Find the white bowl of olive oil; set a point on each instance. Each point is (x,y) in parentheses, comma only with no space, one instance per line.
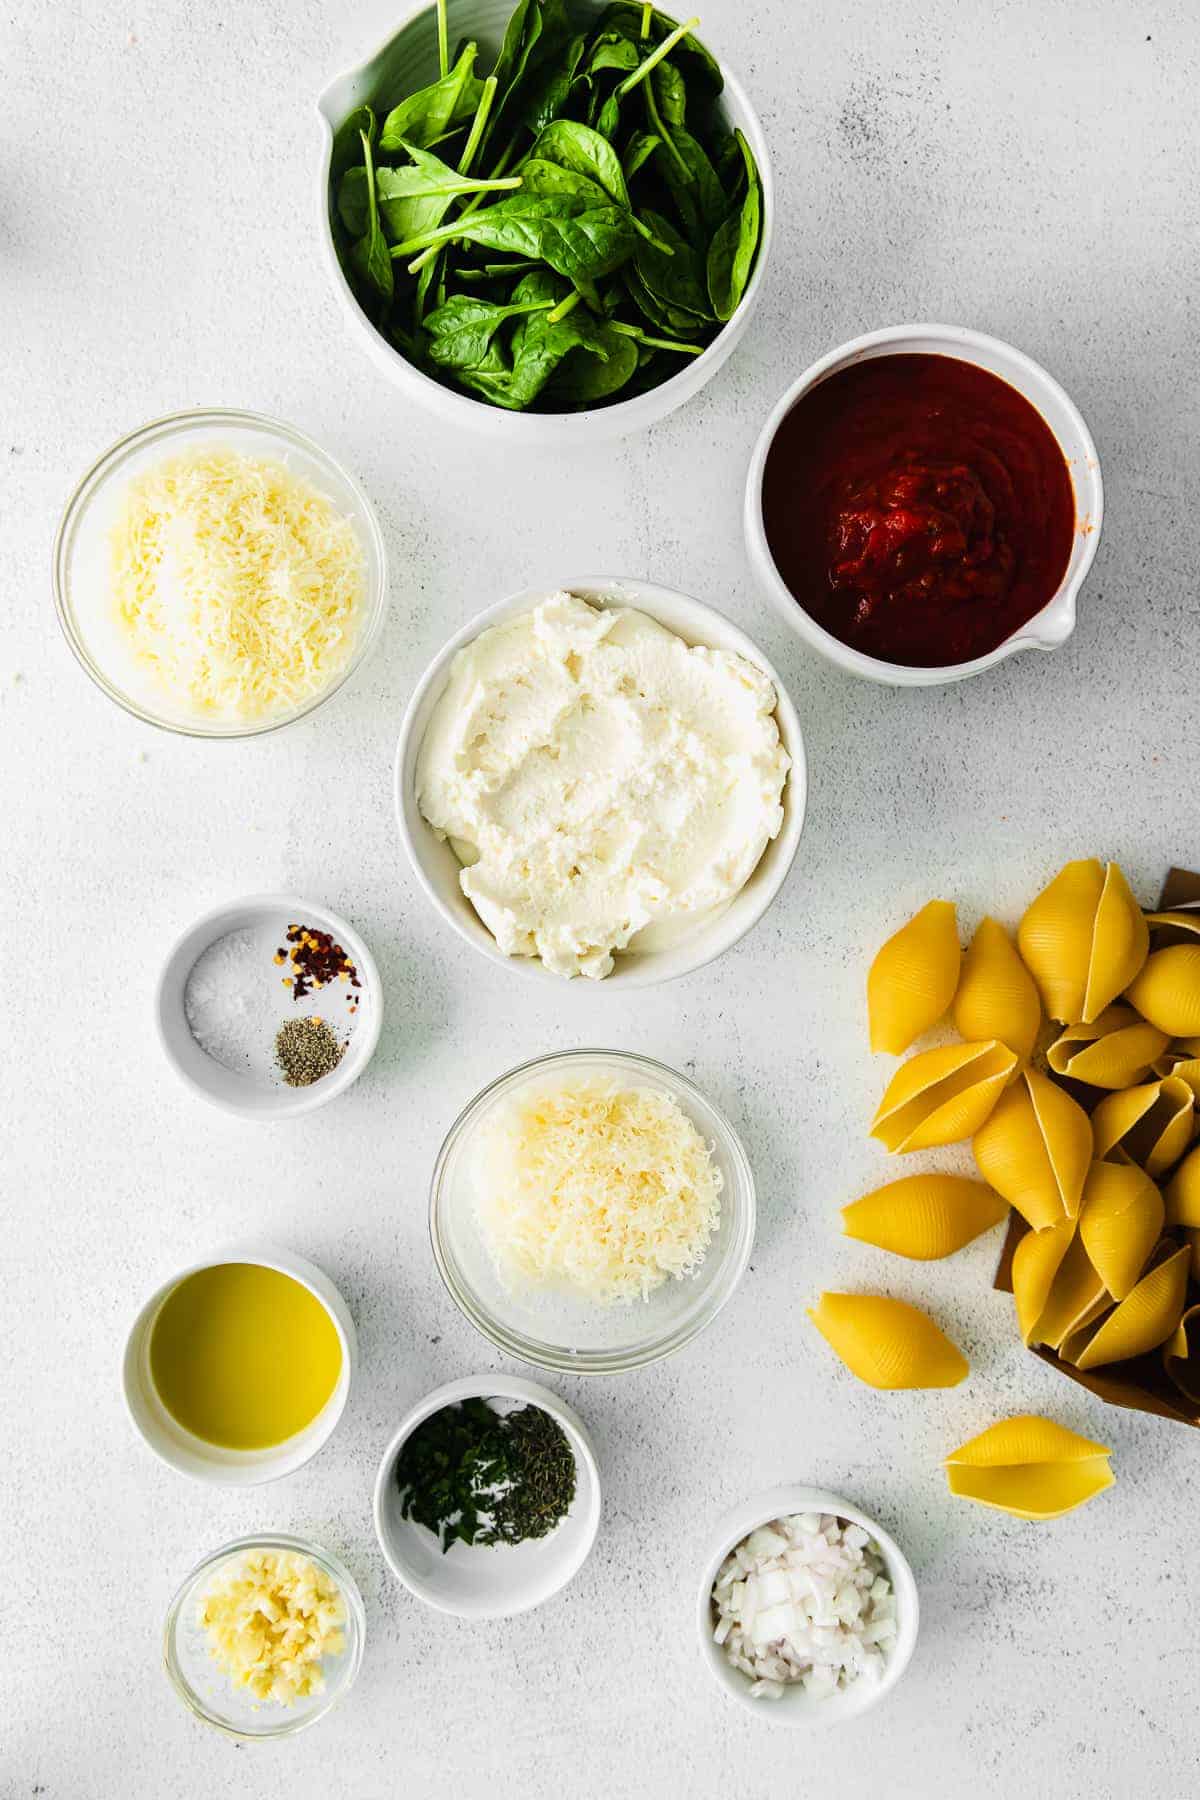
(237,1370)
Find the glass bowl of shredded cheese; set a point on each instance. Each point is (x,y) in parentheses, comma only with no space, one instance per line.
(264,1636)
(218,574)
(592,1211)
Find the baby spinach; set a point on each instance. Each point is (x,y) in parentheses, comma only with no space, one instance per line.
(461,331)
(432,112)
(370,254)
(608,231)
(732,251)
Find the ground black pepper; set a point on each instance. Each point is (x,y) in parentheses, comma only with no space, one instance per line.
(306,1049)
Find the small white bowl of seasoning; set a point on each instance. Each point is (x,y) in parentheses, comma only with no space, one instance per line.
(804,1541)
(237,1369)
(269,1007)
(488,1580)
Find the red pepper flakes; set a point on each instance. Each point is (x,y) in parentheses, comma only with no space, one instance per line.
(317,959)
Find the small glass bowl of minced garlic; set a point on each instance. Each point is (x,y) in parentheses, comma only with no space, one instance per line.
(264,1636)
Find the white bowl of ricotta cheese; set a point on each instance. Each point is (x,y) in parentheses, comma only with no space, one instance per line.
(606,780)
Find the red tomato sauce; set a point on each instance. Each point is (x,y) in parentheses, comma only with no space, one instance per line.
(919,508)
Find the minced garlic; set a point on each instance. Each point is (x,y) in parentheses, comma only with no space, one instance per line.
(270,1616)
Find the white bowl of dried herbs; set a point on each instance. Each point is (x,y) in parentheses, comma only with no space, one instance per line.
(487,1500)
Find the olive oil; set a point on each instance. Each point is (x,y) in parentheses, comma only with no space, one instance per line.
(243,1356)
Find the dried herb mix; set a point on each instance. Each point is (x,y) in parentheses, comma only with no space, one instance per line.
(473,1475)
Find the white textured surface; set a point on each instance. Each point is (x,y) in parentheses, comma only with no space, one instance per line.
(1028,169)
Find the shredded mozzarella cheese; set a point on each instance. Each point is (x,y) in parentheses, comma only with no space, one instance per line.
(236,584)
(595,1188)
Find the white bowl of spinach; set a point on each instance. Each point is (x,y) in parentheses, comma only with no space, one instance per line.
(546,222)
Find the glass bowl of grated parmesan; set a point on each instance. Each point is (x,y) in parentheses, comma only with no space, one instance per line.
(218,574)
(592,1211)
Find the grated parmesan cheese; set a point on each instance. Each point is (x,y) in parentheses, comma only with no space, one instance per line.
(236,585)
(604,1190)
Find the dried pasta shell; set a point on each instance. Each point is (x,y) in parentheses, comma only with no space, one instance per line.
(1153,1124)
(1183,1193)
(924,1216)
(1181,1356)
(1114,1051)
(1184,1068)
(1077,1298)
(1036,1149)
(1167,992)
(1120,1221)
(1036,1261)
(887,1343)
(912,979)
(942,1095)
(1145,1319)
(1030,1467)
(1083,940)
(1181,920)
(997,996)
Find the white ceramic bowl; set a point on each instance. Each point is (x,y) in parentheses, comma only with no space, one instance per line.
(80,569)
(208,1693)
(559,1331)
(488,1581)
(210,1462)
(243,1094)
(1056,621)
(796,1707)
(408,59)
(438,869)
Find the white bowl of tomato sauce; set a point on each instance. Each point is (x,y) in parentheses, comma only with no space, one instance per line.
(924,502)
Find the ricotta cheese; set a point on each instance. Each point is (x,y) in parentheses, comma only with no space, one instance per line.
(605,785)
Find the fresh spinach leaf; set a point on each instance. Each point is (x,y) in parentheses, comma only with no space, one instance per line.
(580,242)
(402,191)
(347,142)
(432,112)
(370,255)
(661,315)
(538,176)
(547,92)
(670,92)
(735,244)
(639,150)
(537,31)
(697,63)
(461,331)
(692,181)
(595,370)
(677,279)
(578,147)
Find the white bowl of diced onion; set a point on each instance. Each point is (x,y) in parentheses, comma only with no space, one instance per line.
(831,1579)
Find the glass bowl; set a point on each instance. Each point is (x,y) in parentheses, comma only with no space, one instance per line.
(80,558)
(207,1693)
(554,1330)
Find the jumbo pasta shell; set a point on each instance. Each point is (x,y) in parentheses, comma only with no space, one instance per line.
(942,1095)
(1077,1298)
(1145,1319)
(924,1216)
(1036,1149)
(1167,992)
(1036,1262)
(1083,940)
(1183,1193)
(1120,1221)
(912,979)
(887,1343)
(1184,1068)
(1152,1124)
(1181,1355)
(1179,919)
(1029,1467)
(997,996)
(1114,1051)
